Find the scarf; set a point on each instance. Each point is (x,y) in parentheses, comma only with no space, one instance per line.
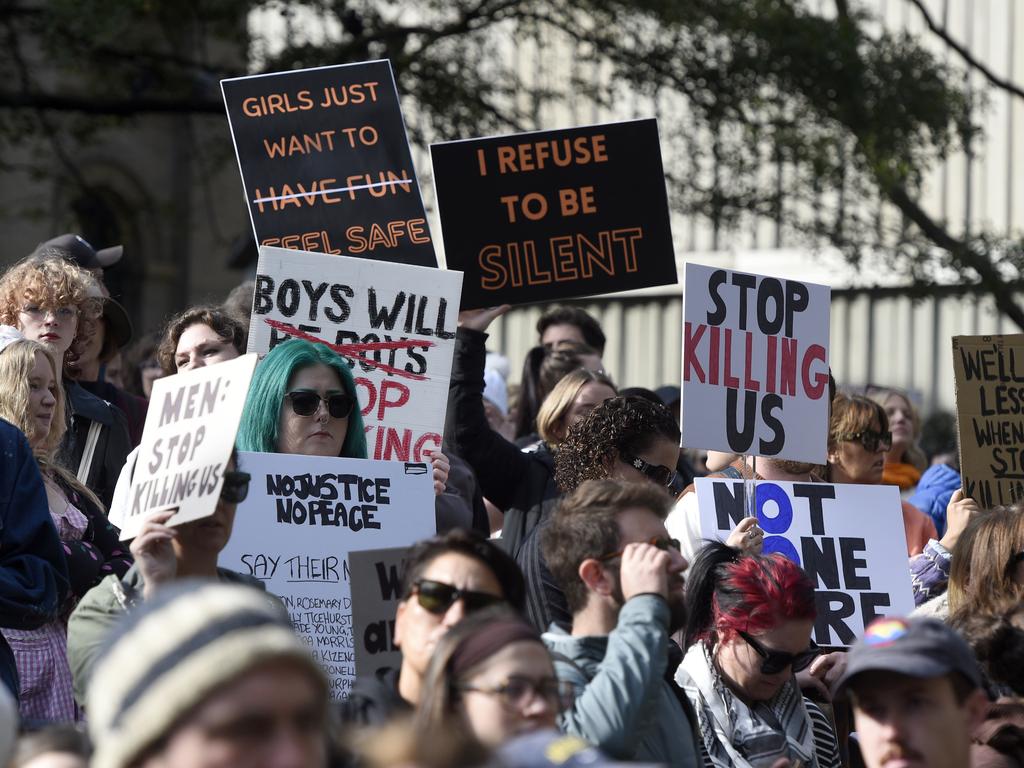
(906,476)
(734,734)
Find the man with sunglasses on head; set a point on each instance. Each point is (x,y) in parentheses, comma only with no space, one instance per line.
(445,578)
(607,546)
(163,555)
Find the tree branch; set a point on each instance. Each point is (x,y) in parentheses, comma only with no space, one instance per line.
(966,55)
(53,102)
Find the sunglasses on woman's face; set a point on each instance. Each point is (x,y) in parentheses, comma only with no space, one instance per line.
(656,473)
(776,661)
(871,440)
(236,486)
(305,403)
(436,597)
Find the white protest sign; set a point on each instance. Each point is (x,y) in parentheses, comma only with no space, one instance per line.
(394,323)
(302,517)
(849,539)
(755,364)
(189,434)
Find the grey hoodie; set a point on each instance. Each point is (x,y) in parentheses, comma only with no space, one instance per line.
(624,705)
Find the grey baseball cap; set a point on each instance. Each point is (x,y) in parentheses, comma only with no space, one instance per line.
(912,647)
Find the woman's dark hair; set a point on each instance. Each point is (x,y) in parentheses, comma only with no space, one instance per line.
(473,545)
(619,425)
(542,370)
(135,358)
(224,325)
(997,640)
(728,592)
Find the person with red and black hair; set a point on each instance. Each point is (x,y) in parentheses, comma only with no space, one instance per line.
(748,634)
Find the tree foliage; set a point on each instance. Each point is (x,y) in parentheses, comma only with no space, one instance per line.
(810,114)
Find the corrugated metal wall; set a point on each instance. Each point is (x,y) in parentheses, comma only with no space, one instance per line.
(877,337)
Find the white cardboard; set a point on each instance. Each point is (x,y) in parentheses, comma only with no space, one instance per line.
(190,431)
(415,389)
(795,425)
(306,564)
(862,524)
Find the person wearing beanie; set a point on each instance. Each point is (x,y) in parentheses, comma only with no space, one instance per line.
(203,675)
(917,694)
(163,555)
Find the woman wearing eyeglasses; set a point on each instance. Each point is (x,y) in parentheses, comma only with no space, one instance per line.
(51,301)
(748,634)
(858,440)
(302,400)
(31,398)
(162,555)
(491,675)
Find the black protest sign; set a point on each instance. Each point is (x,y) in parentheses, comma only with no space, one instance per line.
(553,214)
(325,162)
(989,376)
(376,592)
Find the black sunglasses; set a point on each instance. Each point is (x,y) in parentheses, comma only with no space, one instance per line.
(776,661)
(437,597)
(235,487)
(661,542)
(657,473)
(305,403)
(871,440)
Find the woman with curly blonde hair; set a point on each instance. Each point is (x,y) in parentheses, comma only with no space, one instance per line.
(56,303)
(31,398)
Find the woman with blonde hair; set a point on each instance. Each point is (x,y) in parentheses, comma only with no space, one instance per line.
(987,565)
(572,398)
(53,301)
(904,461)
(31,398)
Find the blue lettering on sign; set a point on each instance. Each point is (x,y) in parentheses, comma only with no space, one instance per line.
(778,524)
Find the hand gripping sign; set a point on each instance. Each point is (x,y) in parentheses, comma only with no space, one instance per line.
(189,434)
(302,519)
(755,365)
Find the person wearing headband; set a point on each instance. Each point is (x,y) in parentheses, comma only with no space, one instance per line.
(492,675)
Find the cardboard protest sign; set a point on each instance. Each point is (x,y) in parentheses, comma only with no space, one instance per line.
(302,518)
(990,416)
(325,162)
(376,577)
(553,214)
(850,540)
(394,323)
(755,364)
(189,434)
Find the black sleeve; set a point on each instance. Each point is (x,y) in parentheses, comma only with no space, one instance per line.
(501,468)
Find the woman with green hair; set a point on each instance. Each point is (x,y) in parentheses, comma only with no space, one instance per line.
(302,400)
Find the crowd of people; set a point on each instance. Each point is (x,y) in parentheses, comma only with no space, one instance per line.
(568,611)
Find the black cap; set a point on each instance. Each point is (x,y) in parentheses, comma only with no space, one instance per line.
(551,749)
(911,647)
(82,253)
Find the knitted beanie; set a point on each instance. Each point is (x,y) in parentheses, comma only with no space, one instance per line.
(167,657)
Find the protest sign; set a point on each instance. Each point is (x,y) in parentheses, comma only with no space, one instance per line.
(394,323)
(325,162)
(849,539)
(553,214)
(755,364)
(376,577)
(302,518)
(990,417)
(189,434)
